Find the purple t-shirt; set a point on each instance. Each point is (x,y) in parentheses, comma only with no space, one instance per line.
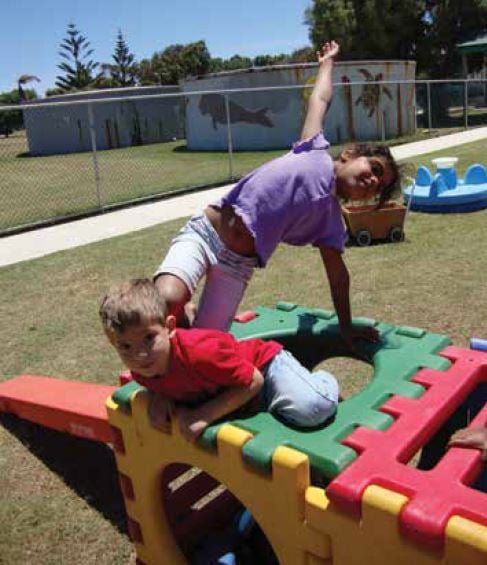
(291,199)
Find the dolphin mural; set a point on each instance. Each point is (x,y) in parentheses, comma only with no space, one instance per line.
(214,105)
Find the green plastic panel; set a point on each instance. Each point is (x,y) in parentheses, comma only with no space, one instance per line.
(123,394)
(313,338)
(312,335)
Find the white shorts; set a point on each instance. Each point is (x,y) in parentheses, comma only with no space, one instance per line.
(197,251)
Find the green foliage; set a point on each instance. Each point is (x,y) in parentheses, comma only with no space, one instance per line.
(174,63)
(423,30)
(389,29)
(167,67)
(78,68)
(12,120)
(263,60)
(269,60)
(332,19)
(384,29)
(124,68)
(146,73)
(195,58)
(216,65)
(303,55)
(237,62)
(54,91)
(452,21)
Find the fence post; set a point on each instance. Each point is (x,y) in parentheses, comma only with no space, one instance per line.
(91,122)
(229,138)
(428,98)
(465,96)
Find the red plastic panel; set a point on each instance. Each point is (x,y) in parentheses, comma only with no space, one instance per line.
(75,407)
(134,531)
(434,495)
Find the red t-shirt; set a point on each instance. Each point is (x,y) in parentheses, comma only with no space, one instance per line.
(203,361)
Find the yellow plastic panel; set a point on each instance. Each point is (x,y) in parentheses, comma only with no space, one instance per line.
(466,542)
(275,500)
(372,540)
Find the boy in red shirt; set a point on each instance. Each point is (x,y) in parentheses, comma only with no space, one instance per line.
(208,373)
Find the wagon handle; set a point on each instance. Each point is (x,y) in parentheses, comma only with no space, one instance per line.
(409,203)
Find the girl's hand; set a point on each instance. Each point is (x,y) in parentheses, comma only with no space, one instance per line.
(190,425)
(471,437)
(329,50)
(366,333)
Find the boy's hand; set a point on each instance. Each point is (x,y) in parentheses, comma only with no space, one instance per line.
(329,50)
(190,425)
(160,412)
(471,437)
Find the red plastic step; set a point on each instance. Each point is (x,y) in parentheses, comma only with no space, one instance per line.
(74,407)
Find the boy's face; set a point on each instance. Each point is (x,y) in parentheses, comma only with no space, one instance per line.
(361,178)
(145,348)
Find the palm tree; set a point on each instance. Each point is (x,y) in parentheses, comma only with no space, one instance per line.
(24,79)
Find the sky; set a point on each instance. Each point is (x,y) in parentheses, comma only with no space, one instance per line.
(33,30)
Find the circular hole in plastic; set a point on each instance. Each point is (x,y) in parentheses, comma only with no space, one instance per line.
(352,375)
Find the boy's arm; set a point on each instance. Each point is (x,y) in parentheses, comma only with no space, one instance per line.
(339,280)
(322,92)
(192,422)
(471,437)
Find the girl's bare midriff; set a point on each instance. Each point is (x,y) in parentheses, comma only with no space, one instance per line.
(231,229)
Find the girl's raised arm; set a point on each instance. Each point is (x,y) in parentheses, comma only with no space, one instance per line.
(322,92)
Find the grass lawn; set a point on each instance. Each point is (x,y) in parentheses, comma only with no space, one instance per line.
(58,499)
(40,188)
(34,189)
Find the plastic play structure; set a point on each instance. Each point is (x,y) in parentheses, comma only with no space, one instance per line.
(342,494)
(445,192)
(367,223)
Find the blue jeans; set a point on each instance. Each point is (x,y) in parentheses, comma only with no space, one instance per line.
(296,395)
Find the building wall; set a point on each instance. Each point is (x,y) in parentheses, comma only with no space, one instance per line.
(123,123)
(273,119)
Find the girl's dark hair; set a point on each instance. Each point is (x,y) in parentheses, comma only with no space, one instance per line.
(392,190)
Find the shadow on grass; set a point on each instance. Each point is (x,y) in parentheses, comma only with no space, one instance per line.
(86,466)
(185,149)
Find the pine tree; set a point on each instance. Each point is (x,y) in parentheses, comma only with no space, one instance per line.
(79,69)
(124,69)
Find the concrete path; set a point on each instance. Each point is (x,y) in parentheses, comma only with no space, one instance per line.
(37,243)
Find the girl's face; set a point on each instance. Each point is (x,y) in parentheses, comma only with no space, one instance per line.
(361,178)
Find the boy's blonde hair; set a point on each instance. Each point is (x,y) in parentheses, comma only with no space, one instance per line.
(132,303)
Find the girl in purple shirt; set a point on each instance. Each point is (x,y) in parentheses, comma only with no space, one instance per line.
(291,199)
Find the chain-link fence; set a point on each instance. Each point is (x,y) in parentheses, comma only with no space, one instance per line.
(84,155)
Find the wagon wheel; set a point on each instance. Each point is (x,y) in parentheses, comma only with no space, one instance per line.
(396,234)
(363,238)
